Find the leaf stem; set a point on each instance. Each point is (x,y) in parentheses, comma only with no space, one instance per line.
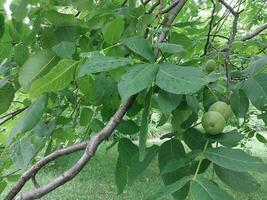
(201,159)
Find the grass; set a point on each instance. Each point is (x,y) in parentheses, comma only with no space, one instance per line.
(96,181)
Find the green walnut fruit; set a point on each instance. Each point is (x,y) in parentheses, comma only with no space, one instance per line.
(222,108)
(213,122)
(211,66)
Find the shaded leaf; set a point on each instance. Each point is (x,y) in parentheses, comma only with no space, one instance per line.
(7,94)
(169,151)
(239,103)
(144,125)
(235,159)
(203,188)
(128,127)
(256,90)
(239,181)
(169,189)
(167,101)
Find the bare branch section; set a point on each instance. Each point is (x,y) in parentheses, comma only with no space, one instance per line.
(169,8)
(11,115)
(227,61)
(90,147)
(210,28)
(254,33)
(169,22)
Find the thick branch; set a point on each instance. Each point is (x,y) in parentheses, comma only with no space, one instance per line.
(169,8)
(254,33)
(170,20)
(228,7)
(227,61)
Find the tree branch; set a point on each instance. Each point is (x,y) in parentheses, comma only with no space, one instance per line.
(12,115)
(227,61)
(145,2)
(169,8)
(254,33)
(170,20)
(210,28)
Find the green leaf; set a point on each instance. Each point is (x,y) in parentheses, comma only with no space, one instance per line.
(169,189)
(261,138)
(128,127)
(192,102)
(7,94)
(176,164)
(60,19)
(98,63)
(182,80)
(3,185)
(144,125)
(235,159)
(2,25)
(22,153)
(121,175)
(113,30)
(19,9)
(21,54)
(256,66)
(170,48)
(127,149)
(36,66)
(239,103)
(172,150)
(137,168)
(181,39)
(57,79)
(229,139)
(31,118)
(64,49)
(239,181)
(194,139)
(86,116)
(136,79)
(167,102)
(140,46)
(203,188)
(256,90)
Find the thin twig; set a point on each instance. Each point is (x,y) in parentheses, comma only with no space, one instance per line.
(255,32)
(210,28)
(11,115)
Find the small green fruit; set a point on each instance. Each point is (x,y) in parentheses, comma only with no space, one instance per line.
(211,66)
(213,122)
(222,108)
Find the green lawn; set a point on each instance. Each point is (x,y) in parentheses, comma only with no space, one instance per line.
(96,181)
